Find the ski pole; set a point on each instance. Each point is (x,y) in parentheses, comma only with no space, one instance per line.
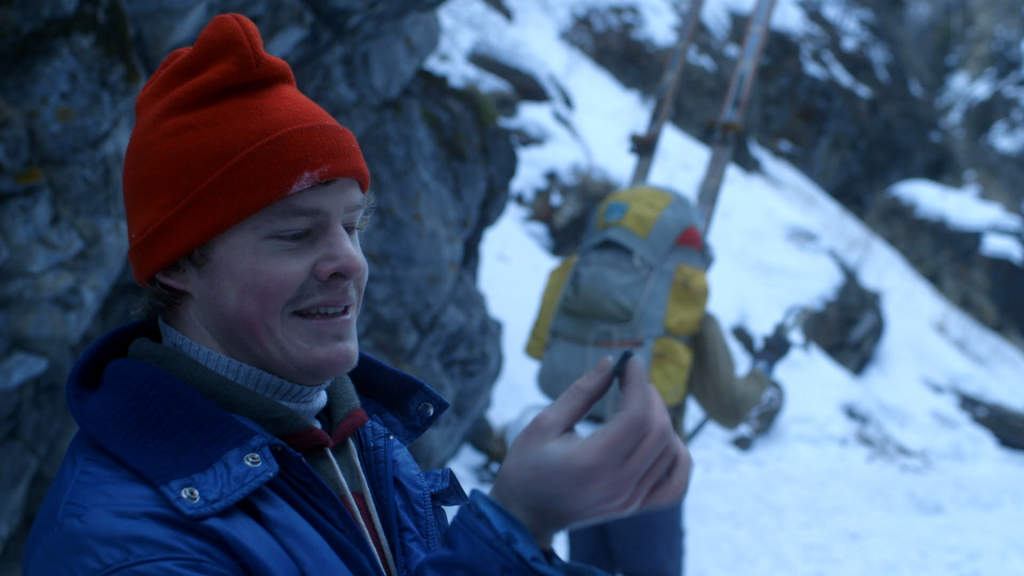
(645,145)
(730,119)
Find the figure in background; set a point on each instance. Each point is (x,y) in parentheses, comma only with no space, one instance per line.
(240,430)
(638,281)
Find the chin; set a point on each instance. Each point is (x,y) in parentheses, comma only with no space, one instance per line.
(343,360)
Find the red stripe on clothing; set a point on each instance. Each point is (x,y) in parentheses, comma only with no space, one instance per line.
(308,440)
(364,513)
(349,425)
(313,438)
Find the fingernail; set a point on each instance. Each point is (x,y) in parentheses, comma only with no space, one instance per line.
(604,364)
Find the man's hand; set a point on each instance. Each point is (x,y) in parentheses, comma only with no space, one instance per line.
(552,479)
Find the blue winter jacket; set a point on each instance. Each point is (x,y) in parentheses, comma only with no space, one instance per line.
(161,480)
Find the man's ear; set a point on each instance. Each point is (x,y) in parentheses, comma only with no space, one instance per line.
(175,276)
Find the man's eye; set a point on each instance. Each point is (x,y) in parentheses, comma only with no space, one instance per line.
(293,236)
(360,226)
(354,229)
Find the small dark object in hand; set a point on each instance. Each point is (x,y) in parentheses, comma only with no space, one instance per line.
(620,366)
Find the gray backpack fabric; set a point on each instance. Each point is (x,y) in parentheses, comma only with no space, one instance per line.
(637,282)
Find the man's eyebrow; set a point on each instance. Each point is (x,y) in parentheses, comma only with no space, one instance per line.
(285,212)
(294,212)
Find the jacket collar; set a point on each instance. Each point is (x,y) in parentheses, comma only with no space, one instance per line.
(171,434)
(401,403)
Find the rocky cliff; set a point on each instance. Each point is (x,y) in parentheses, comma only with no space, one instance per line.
(68,78)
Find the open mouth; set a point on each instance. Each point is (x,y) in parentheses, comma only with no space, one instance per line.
(323,312)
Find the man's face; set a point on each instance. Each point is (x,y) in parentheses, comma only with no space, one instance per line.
(282,289)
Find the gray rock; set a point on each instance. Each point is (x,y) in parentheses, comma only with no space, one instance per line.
(460,357)
(356,21)
(15,153)
(987,288)
(41,243)
(73,95)
(25,218)
(1006,424)
(422,312)
(161,27)
(20,17)
(14,483)
(20,367)
(850,325)
(388,63)
(525,84)
(60,243)
(345,74)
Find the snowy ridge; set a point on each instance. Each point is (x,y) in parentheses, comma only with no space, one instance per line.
(964,209)
(870,474)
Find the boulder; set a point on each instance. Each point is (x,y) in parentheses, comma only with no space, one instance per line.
(850,325)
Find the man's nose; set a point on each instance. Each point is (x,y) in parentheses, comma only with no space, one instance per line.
(341,257)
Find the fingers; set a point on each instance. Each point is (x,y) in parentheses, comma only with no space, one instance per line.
(641,417)
(660,470)
(672,486)
(575,402)
(652,451)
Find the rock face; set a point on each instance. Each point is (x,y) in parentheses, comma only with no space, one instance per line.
(440,170)
(861,95)
(987,288)
(65,115)
(1006,425)
(443,178)
(850,325)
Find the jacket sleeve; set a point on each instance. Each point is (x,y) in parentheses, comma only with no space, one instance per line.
(485,539)
(726,398)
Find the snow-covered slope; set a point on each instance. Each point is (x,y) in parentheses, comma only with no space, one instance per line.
(917,488)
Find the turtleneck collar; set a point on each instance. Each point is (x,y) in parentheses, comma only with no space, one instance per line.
(307,401)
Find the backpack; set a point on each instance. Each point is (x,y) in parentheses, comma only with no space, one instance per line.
(638,281)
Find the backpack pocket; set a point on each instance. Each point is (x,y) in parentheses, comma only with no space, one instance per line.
(671,362)
(687,299)
(607,283)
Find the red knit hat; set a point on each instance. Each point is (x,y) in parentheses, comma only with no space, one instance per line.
(222,132)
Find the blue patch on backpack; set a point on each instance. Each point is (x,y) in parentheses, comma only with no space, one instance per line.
(615,212)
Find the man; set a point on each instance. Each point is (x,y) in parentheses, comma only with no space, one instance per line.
(245,433)
(638,282)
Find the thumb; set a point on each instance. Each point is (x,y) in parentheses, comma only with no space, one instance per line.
(634,380)
(576,401)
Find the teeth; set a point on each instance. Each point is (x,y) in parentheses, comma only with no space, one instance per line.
(322,311)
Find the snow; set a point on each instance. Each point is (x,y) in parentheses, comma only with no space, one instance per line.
(960,208)
(1007,136)
(918,488)
(788,16)
(962,92)
(850,22)
(1005,246)
(843,76)
(696,57)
